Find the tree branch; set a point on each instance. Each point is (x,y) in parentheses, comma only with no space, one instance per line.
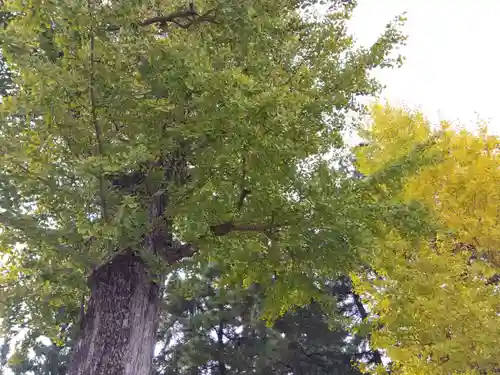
(180,251)
(493,280)
(229,226)
(184,14)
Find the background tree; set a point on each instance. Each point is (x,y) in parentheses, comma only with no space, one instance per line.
(161,127)
(437,300)
(218,331)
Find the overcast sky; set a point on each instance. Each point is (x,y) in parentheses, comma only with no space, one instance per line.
(451,70)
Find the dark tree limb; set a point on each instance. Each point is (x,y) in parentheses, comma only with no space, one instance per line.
(184,13)
(180,251)
(363,314)
(190,15)
(229,226)
(177,251)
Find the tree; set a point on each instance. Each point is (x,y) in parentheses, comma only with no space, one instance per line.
(44,358)
(173,136)
(218,331)
(437,300)
(206,327)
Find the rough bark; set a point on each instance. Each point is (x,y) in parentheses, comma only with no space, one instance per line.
(119,328)
(120,324)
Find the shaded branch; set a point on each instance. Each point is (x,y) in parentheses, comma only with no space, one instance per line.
(493,280)
(229,226)
(241,200)
(220,347)
(476,254)
(180,251)
(175,17)
(184,13)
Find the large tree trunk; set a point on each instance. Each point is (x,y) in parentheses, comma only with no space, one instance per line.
(121,321)
(119,328)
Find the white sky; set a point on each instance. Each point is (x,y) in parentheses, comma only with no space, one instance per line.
(451,70)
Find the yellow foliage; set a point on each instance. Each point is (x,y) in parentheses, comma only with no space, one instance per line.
(463,189)
(393,134)
(438,313)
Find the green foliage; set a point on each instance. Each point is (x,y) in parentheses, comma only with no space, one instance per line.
(39,358)
(253,99)
(6,84)
(198,311)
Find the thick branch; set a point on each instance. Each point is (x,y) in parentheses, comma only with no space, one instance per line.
(180,251)
(254,227)
(185,14)
(227,227)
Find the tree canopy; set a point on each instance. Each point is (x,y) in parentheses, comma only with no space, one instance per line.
(224,113)
(437,301)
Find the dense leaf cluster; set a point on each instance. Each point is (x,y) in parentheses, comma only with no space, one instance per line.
(116,107)
(437,300)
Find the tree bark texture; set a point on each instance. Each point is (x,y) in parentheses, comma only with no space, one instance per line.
(119,328)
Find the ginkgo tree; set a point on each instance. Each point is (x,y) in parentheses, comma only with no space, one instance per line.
(437,299)
(144,132)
